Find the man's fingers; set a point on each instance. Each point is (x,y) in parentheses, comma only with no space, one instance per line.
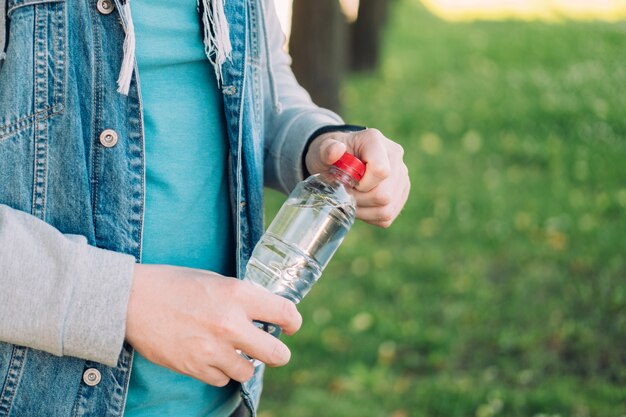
(212,376)
(236,366)
(331,150)
(263,346)
(324,151)
(384,193)
(262,305)
(379,208)
(370,148)
(379,216)
(379,196)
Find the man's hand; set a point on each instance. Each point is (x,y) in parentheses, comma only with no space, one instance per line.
(194,322)
(384,189)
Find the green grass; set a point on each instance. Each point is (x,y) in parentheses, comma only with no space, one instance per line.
(501,289)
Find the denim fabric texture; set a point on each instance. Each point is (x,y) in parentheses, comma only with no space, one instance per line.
(71,209)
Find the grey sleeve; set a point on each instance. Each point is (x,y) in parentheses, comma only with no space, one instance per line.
(59,294)
(287,130)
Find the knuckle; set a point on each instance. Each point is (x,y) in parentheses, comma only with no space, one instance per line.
(234,287)
(237,290)
(246,372)
(382,198)
(230,287)
(279,355)
(289,309)
(380,171)
(386,215)
(225,327)
(188,367)
(375,132)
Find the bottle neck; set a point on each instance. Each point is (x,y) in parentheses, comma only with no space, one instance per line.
(343,177)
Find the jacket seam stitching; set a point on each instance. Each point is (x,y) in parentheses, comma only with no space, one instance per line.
(41,94)
(56,105)
(30,3)
(16,364)
(14,128)
(96,119)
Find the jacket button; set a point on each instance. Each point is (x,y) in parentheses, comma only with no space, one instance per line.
(108,138)
(92,377)
(105,6)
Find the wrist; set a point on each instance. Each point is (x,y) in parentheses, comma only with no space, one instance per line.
(138,279)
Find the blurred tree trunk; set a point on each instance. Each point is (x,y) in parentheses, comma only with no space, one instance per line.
(366,34)
(318,47)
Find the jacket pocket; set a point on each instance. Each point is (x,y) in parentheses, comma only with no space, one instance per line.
(32,78)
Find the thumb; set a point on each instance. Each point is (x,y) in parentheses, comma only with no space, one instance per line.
(331,150)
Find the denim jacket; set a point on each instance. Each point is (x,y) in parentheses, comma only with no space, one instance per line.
(72,190)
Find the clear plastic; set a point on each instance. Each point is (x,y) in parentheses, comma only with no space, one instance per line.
(304,235)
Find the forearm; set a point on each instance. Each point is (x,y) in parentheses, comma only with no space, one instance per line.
(59,294)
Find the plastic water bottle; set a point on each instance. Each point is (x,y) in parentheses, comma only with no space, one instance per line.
(306,232)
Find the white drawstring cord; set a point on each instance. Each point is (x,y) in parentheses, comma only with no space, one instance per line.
(128,63)
(216,41)
(217,44)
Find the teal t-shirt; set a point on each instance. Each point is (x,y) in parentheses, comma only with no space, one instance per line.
(187,213)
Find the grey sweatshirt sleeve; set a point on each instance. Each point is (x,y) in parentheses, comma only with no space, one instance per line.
(59,294)
(287,130)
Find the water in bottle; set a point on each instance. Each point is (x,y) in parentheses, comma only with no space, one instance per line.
(306,232)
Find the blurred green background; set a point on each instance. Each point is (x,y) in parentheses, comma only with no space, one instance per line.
(501,289)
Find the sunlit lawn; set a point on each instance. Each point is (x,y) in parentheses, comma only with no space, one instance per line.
(501,290)
(551,10)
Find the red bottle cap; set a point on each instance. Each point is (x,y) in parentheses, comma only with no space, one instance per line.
(352,165)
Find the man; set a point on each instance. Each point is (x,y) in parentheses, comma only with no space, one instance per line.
(124,201)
